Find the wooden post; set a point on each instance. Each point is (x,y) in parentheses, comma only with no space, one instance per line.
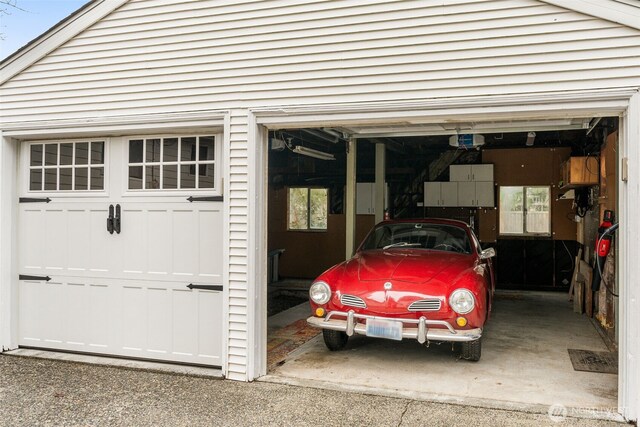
(350,198)
(380,187)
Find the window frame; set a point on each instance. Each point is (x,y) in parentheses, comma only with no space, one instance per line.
(525,233)
(25,166)
(218,163)
(308,229)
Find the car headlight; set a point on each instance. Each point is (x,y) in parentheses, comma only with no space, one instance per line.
(320,293)
(462,301)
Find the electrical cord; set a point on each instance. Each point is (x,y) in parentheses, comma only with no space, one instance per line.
(573,265)
(609,230)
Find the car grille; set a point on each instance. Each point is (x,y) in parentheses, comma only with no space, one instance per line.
(432,304)
(352,301)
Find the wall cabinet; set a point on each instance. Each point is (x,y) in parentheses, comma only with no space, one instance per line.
(440,194)
(476,194)
(580,171)
(467,173)
(366,198)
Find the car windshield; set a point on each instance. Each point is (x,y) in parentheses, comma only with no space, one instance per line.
(418,235)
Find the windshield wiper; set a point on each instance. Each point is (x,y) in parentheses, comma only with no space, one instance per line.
(401,244)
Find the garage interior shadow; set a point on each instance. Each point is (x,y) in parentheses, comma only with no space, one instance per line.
(525,359)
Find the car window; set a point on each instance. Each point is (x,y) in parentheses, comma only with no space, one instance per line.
(418,235)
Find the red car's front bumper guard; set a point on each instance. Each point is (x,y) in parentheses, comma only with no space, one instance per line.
(422,332)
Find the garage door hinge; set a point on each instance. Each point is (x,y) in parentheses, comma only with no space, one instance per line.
(38,278)
(34,200)
(192,199)
(206,287)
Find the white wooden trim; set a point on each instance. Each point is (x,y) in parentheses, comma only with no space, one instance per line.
(225,240)
(629,235)
(211,120)
(57,36)
(8,241)
(610,10)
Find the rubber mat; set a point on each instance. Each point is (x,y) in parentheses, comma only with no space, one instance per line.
(605,362)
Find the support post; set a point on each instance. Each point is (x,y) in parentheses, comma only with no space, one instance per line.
(380,187)
(350,198)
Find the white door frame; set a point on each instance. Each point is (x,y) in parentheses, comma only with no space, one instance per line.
(624,103)
(10,137)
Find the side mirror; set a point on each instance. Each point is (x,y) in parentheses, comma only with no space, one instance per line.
(488,253)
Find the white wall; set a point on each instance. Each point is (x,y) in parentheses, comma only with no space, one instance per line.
(161,56)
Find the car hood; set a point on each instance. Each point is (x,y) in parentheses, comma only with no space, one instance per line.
(407,265)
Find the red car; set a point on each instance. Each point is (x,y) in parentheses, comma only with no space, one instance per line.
(423,279)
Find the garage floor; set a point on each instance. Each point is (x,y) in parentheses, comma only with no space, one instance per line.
(524,361)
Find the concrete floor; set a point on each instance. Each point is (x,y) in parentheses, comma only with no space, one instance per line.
(524,362)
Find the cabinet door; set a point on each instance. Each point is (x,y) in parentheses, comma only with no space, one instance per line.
(466,193)
(364,198)
(449,194)
(482,172)
(459,173)
(432,194)
(485,194)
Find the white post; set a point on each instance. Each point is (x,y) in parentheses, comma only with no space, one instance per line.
(350,198)
(380,187)
(629,235)
(8,261)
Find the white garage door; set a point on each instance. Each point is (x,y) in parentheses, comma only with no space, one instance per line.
(120,248)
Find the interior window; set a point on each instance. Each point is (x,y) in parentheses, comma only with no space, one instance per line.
(525,210)
(67,166)
(172,163)
(308,208)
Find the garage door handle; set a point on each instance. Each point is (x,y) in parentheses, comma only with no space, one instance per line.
(110,223)
(117,221)
(206,287)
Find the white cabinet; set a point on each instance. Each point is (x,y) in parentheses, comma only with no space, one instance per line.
(466,173)
(440,194)
(366,198)
(475,194)
(485,194)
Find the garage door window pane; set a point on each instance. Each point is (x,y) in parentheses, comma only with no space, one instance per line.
(97,178)
(66,154)
(66,179)
(82,179)
(35,180)
(173,163)
(36,155)
(82,153)
(50,179)
(51,154)
(97,153)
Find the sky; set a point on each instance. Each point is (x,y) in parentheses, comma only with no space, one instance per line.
(21,26)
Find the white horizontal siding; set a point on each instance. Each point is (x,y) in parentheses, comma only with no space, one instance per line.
(159,56)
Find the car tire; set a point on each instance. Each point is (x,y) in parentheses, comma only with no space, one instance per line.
(334,340)
(471,350)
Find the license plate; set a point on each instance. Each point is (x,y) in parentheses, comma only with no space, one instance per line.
(389,329)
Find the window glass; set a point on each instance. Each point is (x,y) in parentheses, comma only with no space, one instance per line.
(66,154)
(97,153)
(35,180)
(51,179)
(419,235)
(97,178)
(36,155)
(51,154)
(82,153)
(298,208)
(318,204)
(66,179)
(538,215)
(81,179)
(172,163)
(511,210)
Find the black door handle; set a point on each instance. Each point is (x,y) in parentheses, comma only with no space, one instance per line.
(117,223)
(110,220)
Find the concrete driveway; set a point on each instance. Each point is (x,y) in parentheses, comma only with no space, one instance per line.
(44,392)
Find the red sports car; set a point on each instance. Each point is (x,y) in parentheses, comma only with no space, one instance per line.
(425,279)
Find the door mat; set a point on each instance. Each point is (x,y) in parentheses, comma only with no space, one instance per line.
(605,362)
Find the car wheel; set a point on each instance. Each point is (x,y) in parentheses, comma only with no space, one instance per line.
(334,340)
(471,350)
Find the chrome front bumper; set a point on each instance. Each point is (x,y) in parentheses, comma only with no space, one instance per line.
(423,332)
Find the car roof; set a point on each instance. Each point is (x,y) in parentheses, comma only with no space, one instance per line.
(453,222)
